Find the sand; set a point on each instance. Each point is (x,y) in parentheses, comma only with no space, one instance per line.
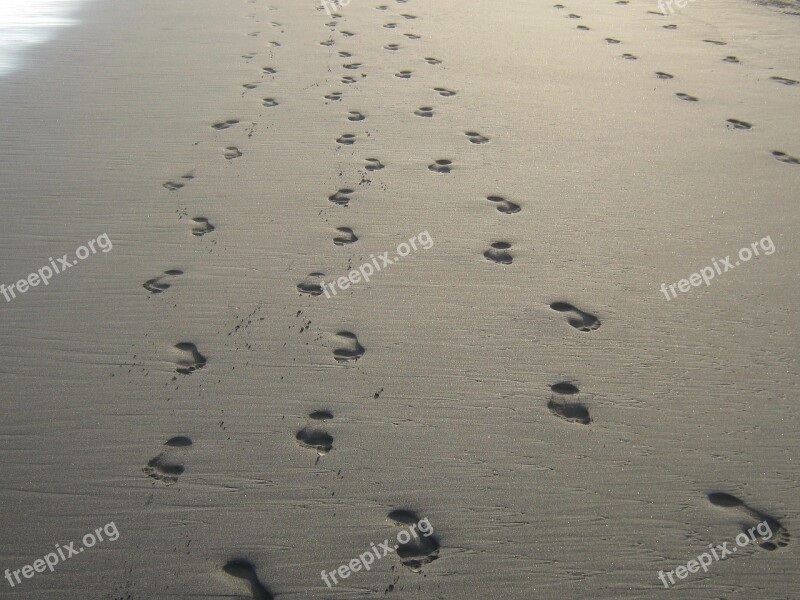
(177,384)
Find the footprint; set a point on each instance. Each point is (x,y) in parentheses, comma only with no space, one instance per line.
(201,226)
(424,111)
(573,16)
(347,33)
(569,410)
(504,206)
(244,570)
(373,164)
(163,469)
(232,152)
(731,59)
(354,115)
(275,44)
(420,550)
(250,56)
(737,124)
(580,320)
(334,96)
(444,92)
(225,124)
(312,284)
(348,80)
(716,42)
(351,349)
(662,75)
(408,16)
(498,253)
(174,186)
(780,537)
(783,157)
(784,80)
(392,47)
(352,66)
(671,26)
(403,74)
(315,439)
(686,97)
(269,102)
(341,197)
(583,28)
(612,41)
(156,286)
(432,61)
(344,54)
(250,86)
(327,43)
(269,70)
(558,6)
(382,7)
(346,236)
(321,415)
(441,166)
(412,36)
(390,25)
(627,56)
(475,137)
(188,358)
(347,139)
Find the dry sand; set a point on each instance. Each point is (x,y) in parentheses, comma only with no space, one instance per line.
(621,186)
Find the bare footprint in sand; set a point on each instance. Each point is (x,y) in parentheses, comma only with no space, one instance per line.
(686,97)
(392,47)
(355,115)
(504,206)
(245,571)
(779,537)
(441,166)
(315,439)
(444,92)
(188,358)
(174,186)
(201,226)
(225,124)
(785,158)
(350,348)
(334,96)
(403,74)
(498,252)
(348,139)
(373,164)
(345,236)
(341,196)
(737,124)
(784,80)
(158,285)
(269,102)
(424,111)
(432,61)
(161,467)
(563,405)
(312,284)
(476,138)
(662,75)
(627,56)
(582,321)
(232,152)
(419,550)
(731,59)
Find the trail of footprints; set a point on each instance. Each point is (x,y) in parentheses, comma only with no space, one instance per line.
(563,403)
(732,124)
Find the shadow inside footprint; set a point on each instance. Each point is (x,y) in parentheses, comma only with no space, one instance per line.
(312,285)
(574,412)
(737,124)
(784,80)
(346,236)
(580,320)
(161,468)
(686,97)
(315,439)
(244,570)
(341,197)
(232,152)
(418,551)
(225,124)
(201,226)
(373,164)
(504,206)
(189,358)
(424,111)
(441,166)
(498,253)
(774,537)
(157,285)
(351,350)
(785,158)
(475,137)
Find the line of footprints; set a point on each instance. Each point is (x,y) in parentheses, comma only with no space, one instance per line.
(167,466)
(734,124)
